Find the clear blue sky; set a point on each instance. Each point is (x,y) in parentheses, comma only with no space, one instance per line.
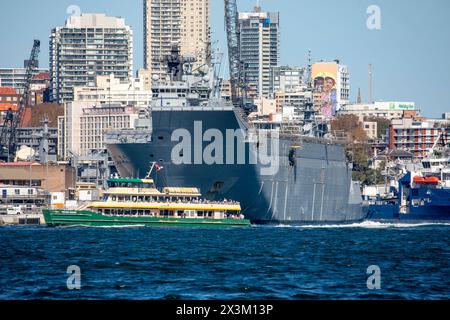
(410,54)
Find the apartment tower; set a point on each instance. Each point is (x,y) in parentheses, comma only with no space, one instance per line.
(259,49)
(87,46)
(185,22)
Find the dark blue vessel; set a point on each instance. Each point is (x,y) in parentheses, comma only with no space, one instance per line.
(423,195)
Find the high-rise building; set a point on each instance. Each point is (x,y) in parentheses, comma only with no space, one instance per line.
(185,22)
(259,49)
(87,46)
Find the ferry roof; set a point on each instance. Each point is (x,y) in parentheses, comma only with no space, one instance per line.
(127,180)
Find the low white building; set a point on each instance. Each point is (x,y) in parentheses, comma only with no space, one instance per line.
(84,127)
(110,104)
(389,110)
(109,89)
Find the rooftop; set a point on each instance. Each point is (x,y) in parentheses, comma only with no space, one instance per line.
(8,90)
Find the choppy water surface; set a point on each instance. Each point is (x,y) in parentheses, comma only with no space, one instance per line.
(263,262)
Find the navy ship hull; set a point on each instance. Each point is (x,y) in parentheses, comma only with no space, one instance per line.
(315,185)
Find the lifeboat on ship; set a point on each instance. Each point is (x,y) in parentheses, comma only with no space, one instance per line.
(426,180)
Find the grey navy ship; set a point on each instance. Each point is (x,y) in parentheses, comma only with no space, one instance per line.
(311,181)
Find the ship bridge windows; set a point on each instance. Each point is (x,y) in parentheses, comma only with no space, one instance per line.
(446,176)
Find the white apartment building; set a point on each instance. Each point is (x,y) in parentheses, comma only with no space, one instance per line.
(259,49)
(16,77)
(110,104)
(186,22)
(112,90)
(85,127)
(87,46)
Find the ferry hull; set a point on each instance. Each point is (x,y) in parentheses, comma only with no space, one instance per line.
(54,218)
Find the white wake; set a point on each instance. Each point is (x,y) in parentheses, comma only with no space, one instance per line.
(367,225)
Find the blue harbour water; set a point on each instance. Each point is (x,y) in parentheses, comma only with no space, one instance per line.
(262,262)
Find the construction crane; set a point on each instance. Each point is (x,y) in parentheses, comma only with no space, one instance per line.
(233,37)
(8,136)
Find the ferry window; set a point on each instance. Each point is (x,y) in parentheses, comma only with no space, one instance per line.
(17,192)
(30,192)
(107,211)
(114,198)
(200,213)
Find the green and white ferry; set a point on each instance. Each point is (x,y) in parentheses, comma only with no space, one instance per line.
(137,202)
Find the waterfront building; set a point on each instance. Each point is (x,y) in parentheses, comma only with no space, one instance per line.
(388,110)
(185,22)
(51,177)
(418,137)
(87,46)
(259,49)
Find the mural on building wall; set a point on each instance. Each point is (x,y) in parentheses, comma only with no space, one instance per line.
(324,76)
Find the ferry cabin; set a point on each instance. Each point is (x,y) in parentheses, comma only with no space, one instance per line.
(139,197)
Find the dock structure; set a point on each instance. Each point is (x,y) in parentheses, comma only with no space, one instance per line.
(22,219)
